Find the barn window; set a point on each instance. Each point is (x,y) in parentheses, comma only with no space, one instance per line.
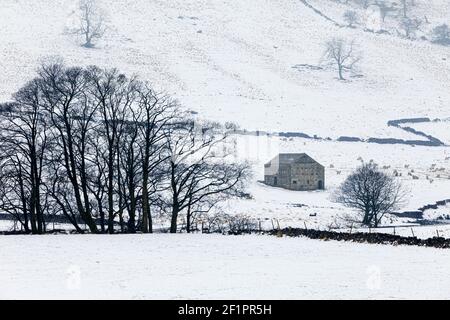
(294,182)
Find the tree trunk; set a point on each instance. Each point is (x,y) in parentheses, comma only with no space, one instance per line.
(189,215)
(188,221)
(173,223)
(145,206)
(71,168)
(147,225)
(24,201)
(150,220)
(341,77)
(111,192)
(175,202)
(102,216)
(131,224)
(366,219)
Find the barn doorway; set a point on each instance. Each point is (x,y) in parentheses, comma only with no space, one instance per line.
(320,185)
(275,181)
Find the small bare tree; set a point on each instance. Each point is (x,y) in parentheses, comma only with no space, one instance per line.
(441,34)
(405,6)
(342,55)
(351,18)
(200,167)
(372,192)
(92,22)
(363,3)
(410,26)
(385,9)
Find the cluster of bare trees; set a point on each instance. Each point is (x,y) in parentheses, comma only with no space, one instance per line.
(107,151)
(372,192)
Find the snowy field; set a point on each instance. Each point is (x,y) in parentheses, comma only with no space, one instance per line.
(440,130)
(216,267)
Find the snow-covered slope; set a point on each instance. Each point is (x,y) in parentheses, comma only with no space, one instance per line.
(233,60)
(216,267)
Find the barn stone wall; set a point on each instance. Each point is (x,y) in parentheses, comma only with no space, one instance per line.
(297,176)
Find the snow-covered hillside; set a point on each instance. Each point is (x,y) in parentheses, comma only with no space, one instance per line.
(216,267)
(233,61)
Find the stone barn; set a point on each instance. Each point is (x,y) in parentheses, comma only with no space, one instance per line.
(295,171)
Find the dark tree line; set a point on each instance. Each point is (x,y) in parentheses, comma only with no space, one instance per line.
(108,152)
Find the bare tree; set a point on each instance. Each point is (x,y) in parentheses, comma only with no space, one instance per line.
(198,167)
(363,3)
(157,112)
(372,192)
(129,177)
(72,116)
(97,175)
(385,9)
(211,184)
(342,55)
(441,34)
(15,193)
(410,26)
(405,6)
(92,24)
(114,95)
(23,142)
(350,17)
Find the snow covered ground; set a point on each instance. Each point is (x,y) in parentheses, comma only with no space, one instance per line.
(216,267)
(440,130)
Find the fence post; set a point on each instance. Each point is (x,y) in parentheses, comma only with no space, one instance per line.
(412,231)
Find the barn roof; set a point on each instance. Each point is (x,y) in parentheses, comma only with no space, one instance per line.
(290,158)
